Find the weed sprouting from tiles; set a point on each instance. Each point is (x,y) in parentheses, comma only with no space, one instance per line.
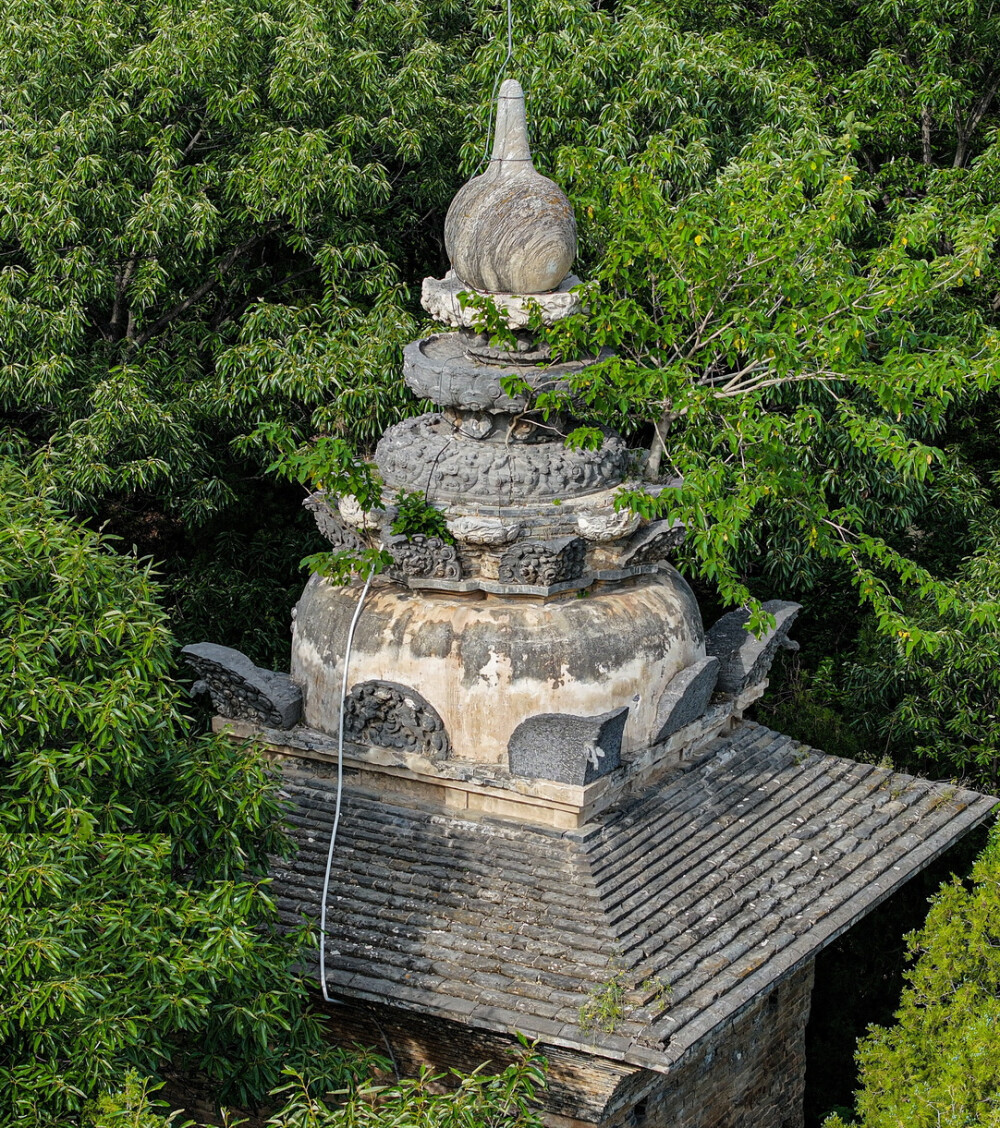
(608,1003)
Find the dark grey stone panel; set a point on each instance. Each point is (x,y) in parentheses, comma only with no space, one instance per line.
(242,691)
(686,697)
(394,716)
(746,660)
(568,749)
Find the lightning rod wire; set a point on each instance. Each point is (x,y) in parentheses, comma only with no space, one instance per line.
(340,789)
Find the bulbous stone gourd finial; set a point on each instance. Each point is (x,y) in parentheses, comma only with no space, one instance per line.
(511,230)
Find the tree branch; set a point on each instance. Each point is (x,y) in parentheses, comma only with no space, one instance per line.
(978,113)
(926,124)
(122,279)
(185,304)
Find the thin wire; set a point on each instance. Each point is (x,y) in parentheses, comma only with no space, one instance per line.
(340,789)
(500,77)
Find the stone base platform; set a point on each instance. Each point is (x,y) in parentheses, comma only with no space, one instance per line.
(486,790)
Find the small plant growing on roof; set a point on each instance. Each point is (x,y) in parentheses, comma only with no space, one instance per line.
(608,1002)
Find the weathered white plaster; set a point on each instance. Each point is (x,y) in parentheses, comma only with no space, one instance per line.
(607,524)
(485,530)
(488,663)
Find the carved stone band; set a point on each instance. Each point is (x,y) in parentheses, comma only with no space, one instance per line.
(424,454)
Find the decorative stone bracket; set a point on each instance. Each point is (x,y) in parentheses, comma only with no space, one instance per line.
(543,562)
(746,660)
(388,715)
(654,543)
(422,557)
(331,524)
(241,690)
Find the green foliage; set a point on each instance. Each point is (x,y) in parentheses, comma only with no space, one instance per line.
(337,1089)
(809,705)
(937,710)
(133,1107)
(606,1003)
(135,920)
(938,1065)
(414,514)
(794,381)
(329,464)
(503,1100)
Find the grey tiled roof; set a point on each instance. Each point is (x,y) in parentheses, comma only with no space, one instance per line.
(706,890)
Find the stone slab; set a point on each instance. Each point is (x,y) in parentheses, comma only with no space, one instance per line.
(569,749)
(439,296)
(686,697)
(744,658)
(241,690)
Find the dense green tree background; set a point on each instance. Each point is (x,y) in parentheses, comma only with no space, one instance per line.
(134,917)
(214,218)
(937,1065)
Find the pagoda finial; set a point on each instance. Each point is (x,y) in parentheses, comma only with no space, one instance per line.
(511,230)
(510,141)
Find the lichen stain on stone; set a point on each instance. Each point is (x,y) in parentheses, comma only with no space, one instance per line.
(432,640)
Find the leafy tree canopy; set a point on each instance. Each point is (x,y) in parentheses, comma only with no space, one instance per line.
(134,917)
(938,1067)
(338,1091)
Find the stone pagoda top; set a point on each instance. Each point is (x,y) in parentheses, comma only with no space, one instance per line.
(477,673)
(511,230)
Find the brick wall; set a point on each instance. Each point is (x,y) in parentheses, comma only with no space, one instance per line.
(750,1075)
(579,1086)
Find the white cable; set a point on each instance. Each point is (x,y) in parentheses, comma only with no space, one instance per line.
(340,789)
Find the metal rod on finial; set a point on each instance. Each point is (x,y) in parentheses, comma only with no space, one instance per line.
(500,74)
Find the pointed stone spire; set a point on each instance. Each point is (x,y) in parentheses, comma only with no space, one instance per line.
(510,141)
(511,230)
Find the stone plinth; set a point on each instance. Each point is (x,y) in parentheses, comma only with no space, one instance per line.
(443,368)
(439,296)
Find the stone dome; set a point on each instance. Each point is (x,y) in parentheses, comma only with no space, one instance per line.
(487,663)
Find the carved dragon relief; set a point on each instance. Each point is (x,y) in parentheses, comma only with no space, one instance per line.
(543,562)
(388,715)
(422,557)
(332,525)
